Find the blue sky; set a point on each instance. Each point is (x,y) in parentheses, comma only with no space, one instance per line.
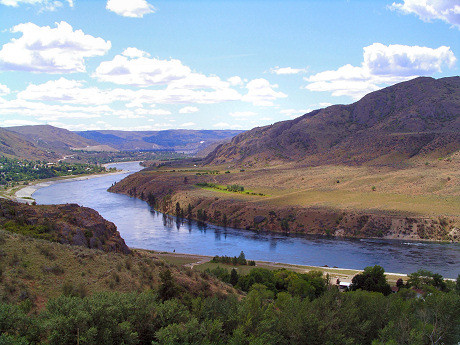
(152,65)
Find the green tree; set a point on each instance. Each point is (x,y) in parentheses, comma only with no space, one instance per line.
(372,279)
(234,277)
(168,288)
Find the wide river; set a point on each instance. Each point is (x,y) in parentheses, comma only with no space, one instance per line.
(142,227)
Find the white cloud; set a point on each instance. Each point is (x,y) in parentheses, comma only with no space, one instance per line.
(135,68)
(47,112)
(49,5)
(261,93)
(225,125)
(188,124)
(188,110)
(235,81)
(75,92)
(50,50)
(4,90)
(133,52)
(429,10)
(287,70)
(243,114)
(18,122)
(140,71)
(382,65)
(66,91)
(130,8)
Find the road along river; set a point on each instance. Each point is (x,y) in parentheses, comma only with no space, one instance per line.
(142,227)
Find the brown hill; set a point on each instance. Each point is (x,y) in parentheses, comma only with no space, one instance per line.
(414,119)
(66,224)
(16,145)
(53,138)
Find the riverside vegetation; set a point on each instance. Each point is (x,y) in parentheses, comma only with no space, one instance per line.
(52,293)
(13,171)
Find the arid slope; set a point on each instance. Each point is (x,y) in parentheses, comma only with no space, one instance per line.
(416,119)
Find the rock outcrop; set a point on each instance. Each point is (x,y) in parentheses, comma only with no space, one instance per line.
(68,224)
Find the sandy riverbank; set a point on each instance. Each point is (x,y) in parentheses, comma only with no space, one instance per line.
(344,274)
(25,194)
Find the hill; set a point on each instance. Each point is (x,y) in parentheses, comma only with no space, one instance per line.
(67,224)
(386,166)
(415,119)
(53,138)
(179,140)
(16,145)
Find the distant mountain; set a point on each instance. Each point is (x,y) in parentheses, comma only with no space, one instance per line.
(53,138)
(413,119)
(179,140)
(16,145)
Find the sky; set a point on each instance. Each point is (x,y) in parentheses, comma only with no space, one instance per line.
(210,64)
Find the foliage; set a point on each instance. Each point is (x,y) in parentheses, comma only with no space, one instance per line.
(13,171)
(424,278)
(240,260)
(358,317)
(372,279)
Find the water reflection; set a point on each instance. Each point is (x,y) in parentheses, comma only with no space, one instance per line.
(142,227)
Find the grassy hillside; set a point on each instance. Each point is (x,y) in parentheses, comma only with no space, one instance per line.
(36,270)
(14,145)
(52,138)
(418,202)
(108,299)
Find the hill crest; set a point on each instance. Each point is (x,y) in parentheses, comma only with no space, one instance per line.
(416,118)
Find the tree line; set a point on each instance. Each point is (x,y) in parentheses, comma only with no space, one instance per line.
(274,311)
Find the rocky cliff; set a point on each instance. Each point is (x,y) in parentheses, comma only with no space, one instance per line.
(67,224)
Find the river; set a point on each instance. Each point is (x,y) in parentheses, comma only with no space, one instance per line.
(142,227)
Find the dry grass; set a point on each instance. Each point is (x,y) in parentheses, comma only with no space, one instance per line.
(38,270)
(420,189)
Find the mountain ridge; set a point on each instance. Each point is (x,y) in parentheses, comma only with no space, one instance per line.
(417,117)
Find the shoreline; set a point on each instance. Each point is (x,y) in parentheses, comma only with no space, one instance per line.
(344,274)
(24,194)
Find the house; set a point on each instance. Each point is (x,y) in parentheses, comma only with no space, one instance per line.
(344,286)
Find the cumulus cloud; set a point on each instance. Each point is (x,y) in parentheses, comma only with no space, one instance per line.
(235,81)
(4,90)
(66,91)
(429,10)
(243,114)
(382,65)
(188,110)
(18,122)
(50,50)
(76,92)
(46,112)
(49,5)
(130,8)
(133,67)
(133,52)
(287,70)
(261,93)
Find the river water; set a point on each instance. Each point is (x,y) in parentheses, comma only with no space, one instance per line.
(142,227)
